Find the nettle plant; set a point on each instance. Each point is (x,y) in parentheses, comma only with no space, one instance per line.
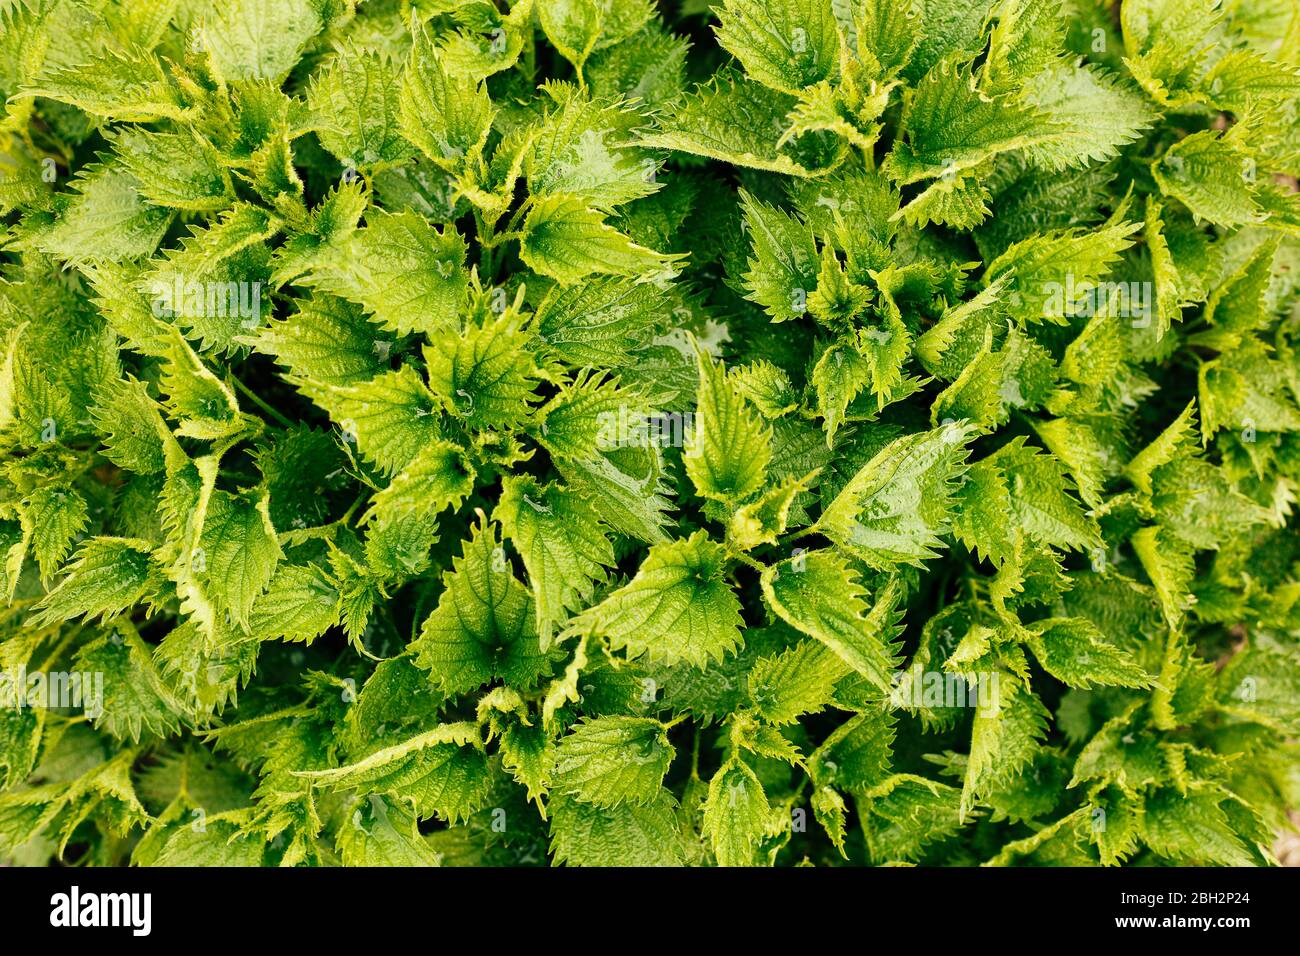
(587,432)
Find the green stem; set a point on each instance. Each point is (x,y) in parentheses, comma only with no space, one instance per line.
(516,221)
(256,400)
(352,510)
(487,266)
(869,157)
(746,559)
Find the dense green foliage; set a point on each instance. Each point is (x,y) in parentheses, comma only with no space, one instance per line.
(587,432)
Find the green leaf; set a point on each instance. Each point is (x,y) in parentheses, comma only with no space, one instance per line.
(325,340)
(678,608)
(1245,389)
(586,835)
(1192,829)
(982,518)
(205,405)
(240,551)
(489,42)
(976,394)
(107,219)
(767,387)
(300,604)
(734,120)
(1037,269)
(1028,37)
(609,761)
(441,773)
(408,275)
(959,200)
(1242,79)
(948,125)
(303,471)
(108,576)
(91,789)
(1083,447)
(904,814)
(585,417)
(356,101)
(1170,567)
(602,322)
(730,448)
(800,680)
(829,808)
(563,545)
(887,33)
(584,149)
(819,595)
(219,842)
(380,833)
(486,375)
(783,266)
(448,120)
(259,39)
(1167,45)
(1094,115)
(1259,685)
(1041,505)
(628,493)
(566,239)
(737,815)
(1168,298)
(788,46)
(894,510)
(438,477)
(1239,305)
(1176,441)
(325,229)
(1213,176)
(529,754)
(484,625)
(175,170)
(132,700)
(127,85)
(389,418)
(52,517)
(1005,736)
(648,69)
(573,27)
(212,284)
(762,521)
(1074,651)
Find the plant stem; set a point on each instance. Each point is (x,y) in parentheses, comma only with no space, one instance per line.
(256,400)
(487,265)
